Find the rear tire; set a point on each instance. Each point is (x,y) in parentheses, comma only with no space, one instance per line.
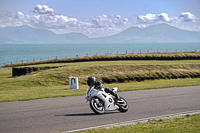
(97,108)
(124,107)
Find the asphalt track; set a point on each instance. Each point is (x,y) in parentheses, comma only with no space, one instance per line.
(71,113)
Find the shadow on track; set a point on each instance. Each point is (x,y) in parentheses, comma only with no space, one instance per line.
(86,114)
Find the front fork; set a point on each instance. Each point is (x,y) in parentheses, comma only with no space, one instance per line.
(99,104)
(97,101)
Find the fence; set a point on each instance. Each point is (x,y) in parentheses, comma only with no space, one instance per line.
(107,53)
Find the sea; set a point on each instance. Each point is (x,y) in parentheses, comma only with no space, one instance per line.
(18,53)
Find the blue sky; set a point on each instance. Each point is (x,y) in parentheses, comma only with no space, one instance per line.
(96,18)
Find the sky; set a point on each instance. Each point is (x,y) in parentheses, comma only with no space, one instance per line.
(98,18)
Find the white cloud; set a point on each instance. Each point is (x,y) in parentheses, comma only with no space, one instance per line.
(42,9)
(98,26)
(109,21)
(19,15)
(164,17)
(148,18)
(141,26)
(187,17)
(8,19)
(151,19)
(154,18)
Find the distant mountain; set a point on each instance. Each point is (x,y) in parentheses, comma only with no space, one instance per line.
(28,35)
(155,33)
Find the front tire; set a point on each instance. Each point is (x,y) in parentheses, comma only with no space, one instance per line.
(123,107)
(97,108)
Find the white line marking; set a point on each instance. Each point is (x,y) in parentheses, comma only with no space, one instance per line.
(139,120)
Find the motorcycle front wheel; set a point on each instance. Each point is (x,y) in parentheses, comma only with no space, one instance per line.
(123,105)
(96,108)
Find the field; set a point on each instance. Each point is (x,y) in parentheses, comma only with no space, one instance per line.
(182,124)
(128,74)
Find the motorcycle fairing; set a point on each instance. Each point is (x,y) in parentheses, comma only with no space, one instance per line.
(109,103)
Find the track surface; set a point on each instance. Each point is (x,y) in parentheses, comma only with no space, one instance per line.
(70,113)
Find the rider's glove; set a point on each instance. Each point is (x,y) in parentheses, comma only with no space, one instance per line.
(98,85)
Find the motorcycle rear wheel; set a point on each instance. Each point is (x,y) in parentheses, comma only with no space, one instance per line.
(96,108)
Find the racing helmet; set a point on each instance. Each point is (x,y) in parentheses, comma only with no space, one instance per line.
(91,81)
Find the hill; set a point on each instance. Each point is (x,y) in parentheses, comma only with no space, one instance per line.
(155,33)
(28,35)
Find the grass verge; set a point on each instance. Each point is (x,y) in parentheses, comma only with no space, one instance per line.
(54,82)
(182,124)
(19,93)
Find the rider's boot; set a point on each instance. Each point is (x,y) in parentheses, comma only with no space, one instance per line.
(117,97)
(107,90)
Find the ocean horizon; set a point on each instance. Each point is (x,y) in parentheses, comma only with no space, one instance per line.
(17,53)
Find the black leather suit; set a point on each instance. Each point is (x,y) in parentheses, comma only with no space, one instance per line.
(99,85)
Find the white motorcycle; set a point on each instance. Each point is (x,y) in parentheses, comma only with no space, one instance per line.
(100,101)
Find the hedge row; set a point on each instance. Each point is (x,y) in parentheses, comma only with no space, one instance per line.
(139,78)
(153,56)
(134,56)
(25,70)
(111,58)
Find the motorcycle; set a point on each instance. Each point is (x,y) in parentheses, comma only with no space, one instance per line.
(100,101)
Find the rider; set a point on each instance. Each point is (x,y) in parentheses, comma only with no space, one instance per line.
(91,81)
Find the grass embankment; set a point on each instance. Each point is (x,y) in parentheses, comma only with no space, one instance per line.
(182,124)
(54,82)
(130,56)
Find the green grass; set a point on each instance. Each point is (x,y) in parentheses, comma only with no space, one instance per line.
(182,124)
(18,92)
(54,82)
(114,69)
